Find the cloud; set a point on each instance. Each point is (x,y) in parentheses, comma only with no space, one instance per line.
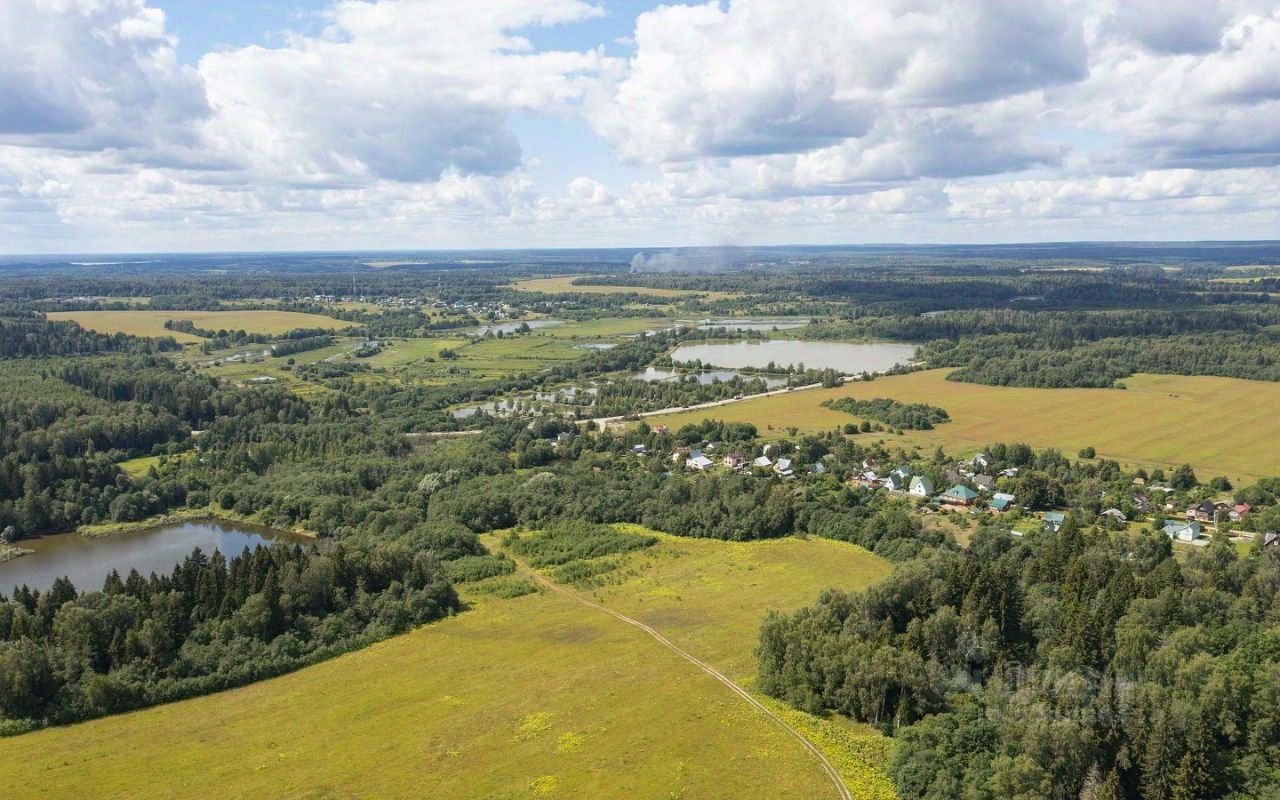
(403,90)
(878,85)
(89,75)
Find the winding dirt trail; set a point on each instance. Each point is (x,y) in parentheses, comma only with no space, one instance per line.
(823,761)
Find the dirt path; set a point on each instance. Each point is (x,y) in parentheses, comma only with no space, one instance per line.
(823,761)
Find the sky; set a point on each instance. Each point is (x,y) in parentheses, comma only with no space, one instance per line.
(187,125)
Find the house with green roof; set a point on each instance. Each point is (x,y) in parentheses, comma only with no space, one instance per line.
(1053,520)
(958,495)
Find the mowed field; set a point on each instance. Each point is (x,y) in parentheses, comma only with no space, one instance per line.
(531,697)
(565,283)
(1221,426)
(151,323)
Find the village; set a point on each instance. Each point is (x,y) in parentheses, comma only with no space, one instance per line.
(976,487)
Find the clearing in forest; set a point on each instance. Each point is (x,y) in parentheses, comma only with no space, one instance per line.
(151,323)
(525,697)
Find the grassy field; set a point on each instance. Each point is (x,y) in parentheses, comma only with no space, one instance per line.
(531,697)
(1221,426)
(151,323)
(135,467)
(565,283)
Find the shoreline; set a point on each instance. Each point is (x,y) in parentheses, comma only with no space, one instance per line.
(110,529)
(10,552)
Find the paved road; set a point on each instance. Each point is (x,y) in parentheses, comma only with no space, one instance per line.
(823,761)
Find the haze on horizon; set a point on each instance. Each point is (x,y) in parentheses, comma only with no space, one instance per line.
(184,126)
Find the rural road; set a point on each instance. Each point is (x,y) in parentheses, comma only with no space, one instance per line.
(712,404)
(823,761)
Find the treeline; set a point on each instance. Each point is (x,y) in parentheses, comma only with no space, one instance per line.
(31,337)
(1077,664)
(210,625)
(907,416)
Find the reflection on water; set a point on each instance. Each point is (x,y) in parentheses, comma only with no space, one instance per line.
(87,562)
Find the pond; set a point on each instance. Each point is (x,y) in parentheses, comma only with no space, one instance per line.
(753,324)
(658,375)
(87,562)
(843,356)
(510,327)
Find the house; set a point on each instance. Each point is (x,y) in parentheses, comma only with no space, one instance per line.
(894,482)
(699,462)
(1011,472)
(1114,513)
(870,464)
(984,482)
(659,428)
(735,461)
(639,449)
(818,468)
(983,461)
(959,495)
(783,468)
(680,453)
(1202,513)
(770,449)
(762,462)
(1141,503)
(1239,512)
(867,480)
(1139,481)
(1001,501)
(921,486)
(1182,531)
(1053,520)
(1271,540)
(953,476)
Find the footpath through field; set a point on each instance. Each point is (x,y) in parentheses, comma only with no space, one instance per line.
(823,761)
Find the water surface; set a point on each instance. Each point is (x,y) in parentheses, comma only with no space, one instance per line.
(843,356)
(87,562)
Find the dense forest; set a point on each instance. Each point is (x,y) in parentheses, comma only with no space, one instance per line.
(1073,664)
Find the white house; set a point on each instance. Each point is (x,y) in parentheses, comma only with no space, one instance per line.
(1182,531)
(762,462)
(783,468)
(699,462)
(920,486)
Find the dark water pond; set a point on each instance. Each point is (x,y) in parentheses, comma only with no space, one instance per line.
(87,562)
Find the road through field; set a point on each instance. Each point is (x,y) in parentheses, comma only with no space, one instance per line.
(823,761)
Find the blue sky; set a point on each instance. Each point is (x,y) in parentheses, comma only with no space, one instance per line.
(138,125)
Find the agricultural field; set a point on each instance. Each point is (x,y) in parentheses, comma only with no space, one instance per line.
(536,696)
(151,323)
(565,284)
(1221,426)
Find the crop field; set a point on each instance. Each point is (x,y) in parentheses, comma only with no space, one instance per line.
(151,323)
(530,697)
(1221,426)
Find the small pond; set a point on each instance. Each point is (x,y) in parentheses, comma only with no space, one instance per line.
(87,562)
(843,356)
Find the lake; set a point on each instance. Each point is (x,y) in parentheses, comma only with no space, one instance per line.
(87,562)
(843,356)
